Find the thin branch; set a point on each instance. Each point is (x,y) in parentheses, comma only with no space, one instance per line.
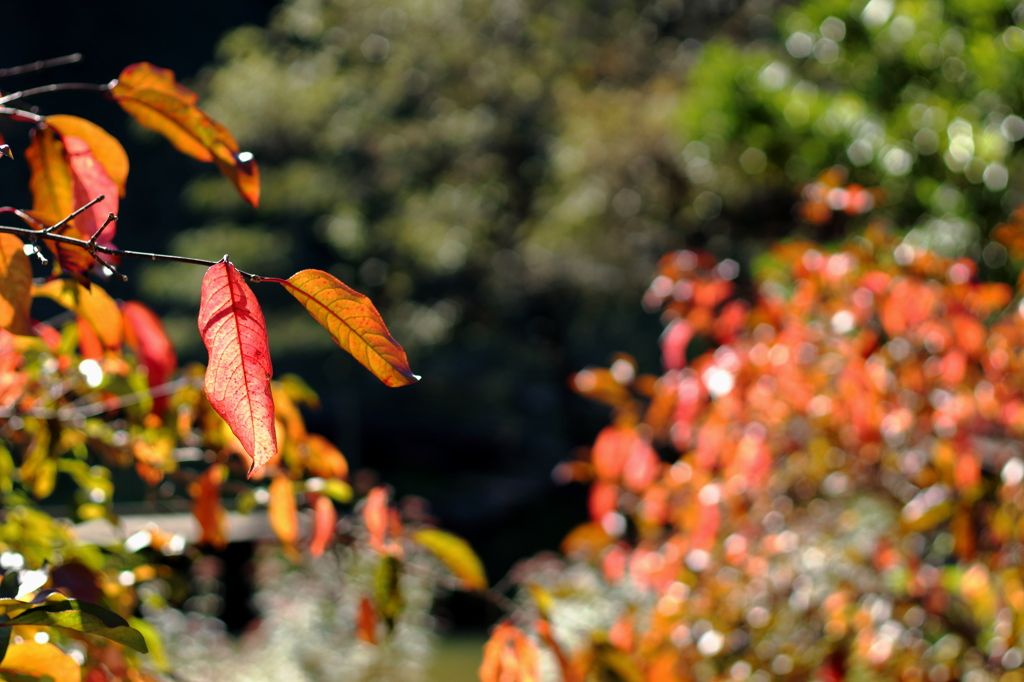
(21,94)
(93,248)
(73,215)
(40,65)
(22,115)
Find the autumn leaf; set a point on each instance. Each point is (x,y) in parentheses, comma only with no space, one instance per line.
(456,554)
(375,515)
(53,198)
(94,305)
(158,102)
(283,515)
(207,508)
(353,322)
(38,660)
(325,518)
(509,656)
(144,334)
(238,377)
(104,146)
(325,460)
(15,285)
(50,182)
(89,181)
(366,622)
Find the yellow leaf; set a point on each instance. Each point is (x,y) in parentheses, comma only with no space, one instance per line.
(456,554)
(35,659)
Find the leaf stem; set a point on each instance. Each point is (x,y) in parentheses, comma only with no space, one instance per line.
(40,65)
(21,94)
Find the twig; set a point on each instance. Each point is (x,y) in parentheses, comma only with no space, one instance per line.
(40,65)
(93,248)
(74,214)
(22,115)
(21,94)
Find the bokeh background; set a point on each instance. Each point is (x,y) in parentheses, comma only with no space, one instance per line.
(502,176)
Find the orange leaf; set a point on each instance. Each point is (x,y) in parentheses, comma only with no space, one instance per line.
(375,514)
(366,626)
(325,460)
(89,344)
(238,378)
(283,515)
(37,660)
(53,198)
(93,304)
(207,507)
(325,518)
(156,100)
(353,322)
(611,449)
(144,334)
(15,285)
(509,656)
(89,180)
(50,183)
(456,554)
(105,147)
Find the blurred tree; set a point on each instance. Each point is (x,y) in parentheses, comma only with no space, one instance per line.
(919,98)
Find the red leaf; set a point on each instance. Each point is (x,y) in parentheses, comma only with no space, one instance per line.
(144,334)
(353,322)
(89,344)
(325,518)
(107,150)
(366,626)
(89,180)
(156,100)
(238,378)
(674,341)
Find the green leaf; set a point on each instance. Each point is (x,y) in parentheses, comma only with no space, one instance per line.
(83,617)
(5,639)
(387,594)
(10,585)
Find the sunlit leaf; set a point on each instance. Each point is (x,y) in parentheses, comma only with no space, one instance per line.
(325,518)
(325,460)
(509,656)
(89,181)
(38,660)
(15,285)
(375,515)
(238,377)
(93,304)
(353,323)
(456,554)
(282,511)
(53,198)
(158,102)
(83,617)
(105,147)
